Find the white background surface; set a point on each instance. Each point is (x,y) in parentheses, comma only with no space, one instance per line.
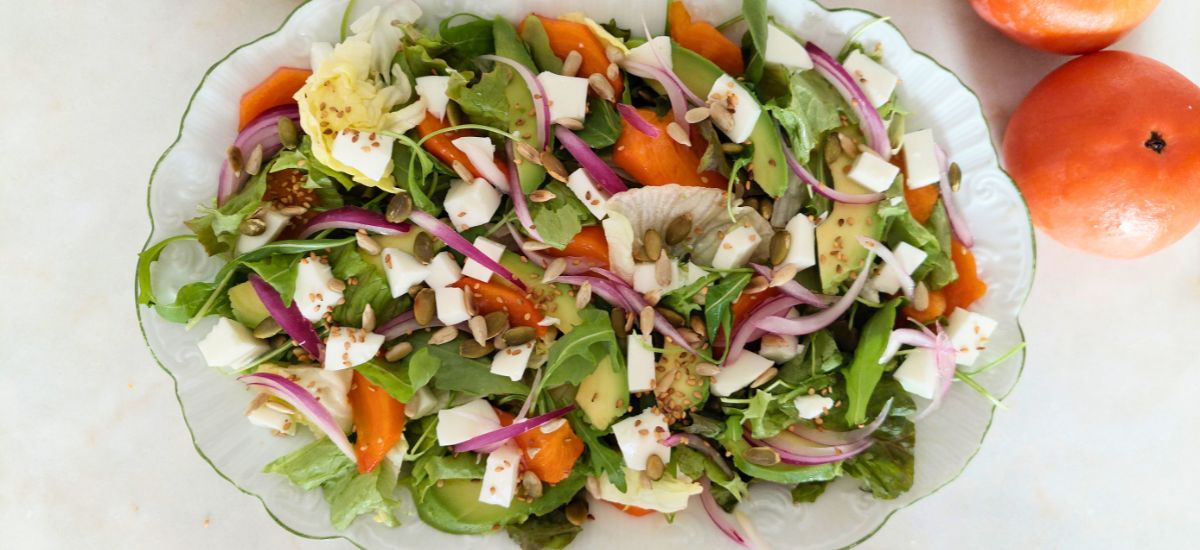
(1097,450)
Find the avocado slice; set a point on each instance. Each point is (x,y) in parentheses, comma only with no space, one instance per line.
(247,308)
(686,389)
(552,299)
(770,167)
(838,251)
(520,121)
(603,395)
(534,35)
(453,506)
(402,242)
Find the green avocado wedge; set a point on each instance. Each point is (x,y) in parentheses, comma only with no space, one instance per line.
(453,505)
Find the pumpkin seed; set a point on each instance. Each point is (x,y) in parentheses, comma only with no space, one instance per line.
(252,227)
(528,152)
(678,134)
(554,167)
(602,87)
(577,512)
(833,150)
(541,195)
(655,467)
(583,296)
(368,318)
(766,207)
(423,247)
(496,322)
(758,283)
(707,369)
(679,229)
(473,350)
(443,335)
(618,321)
(762,456)
(287,132)
(639,254)
(291,211)
(751,203)
(531,486)
(517,336)
(557,267)
(398,352)
(571,63)
(765,377)
(569,123)
(461,170)
(478,326)
(233,156)
(732,148)
(652,243)
(671,316)
(254,161)
(368,244)
(781,244)
(784,274)
(613,72)
(266,329)
(646,320)
(955,177)
(399,207)
(663,270)
(424,306)
(699,114)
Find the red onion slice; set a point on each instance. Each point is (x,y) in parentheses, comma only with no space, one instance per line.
(537,382)
(906,281)
(542,110)
(834,439)
(868,117)
(406,324)
(436,228)
(827,192)
(700,445)
(635,120)
(353,217)
(637,303)
(905,337)
(958,222)
(495,438)
(576,265)
(264,131)
(669,73)
(675,90)
(945,356)
(289,318)
(817,321)
(718,516)
(592,164)
(600,287)
(517,194)
(798,451)
(796,290)
(748,331)
(306,403)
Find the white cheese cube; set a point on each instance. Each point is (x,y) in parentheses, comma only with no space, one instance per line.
(646,54)
(779,348)
(313,296)
(268,417)
(668,494)
(433,90)
(349,347)
(402,270)
(230,345)
(466,421)
(640,364)
(969,332)
(920,159)
(694,273)
(785,50)
(803,251)
(645,278)
(275,224)
(740,373)
(471,203)
(876,82)
(368,152)
(567,95)
(482,154)
(511,361)
(909,257)
(872,172)
(918,373)
(588,193)
(809,407)
(443,270)
(451,305)
(330,387)
(741,103)
(501,475)
(639,437)
(737,247)
(474,269)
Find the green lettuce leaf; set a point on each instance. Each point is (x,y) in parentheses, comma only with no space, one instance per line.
(217,227)
(806,108)
(887,468)
(602,126)
(575,355)
(549,531)
(558,220)
(808,492)
(349,494)
(865,371)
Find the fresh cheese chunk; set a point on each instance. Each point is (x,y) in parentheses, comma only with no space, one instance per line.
(969,332)
(649,53)
(785,50)
(779,348)
(466,421)
(350,347)
(918,373)
(639,437)
(872,172)
(668,494)
(740,102)
(368,152)
(482,154)
(402,270)
(645,278)
(909,257)
(230,345)
(511,361)
(588,193)
(267,415)
(740,373)
(471,203)
(451,305)
(567,95)
(275,223)
(433,90)
(809,407)
(330,387)
(313,296)
(443,271)
(474,269)
(876,82)
(501,475)
(640,359)
(920,159)
(803,251)
(737,247)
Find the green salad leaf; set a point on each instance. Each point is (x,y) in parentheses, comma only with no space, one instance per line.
(558,220)
(808,492)
(718,314)
(549,531)
(217,227)
(754,13)
(575,355)
(865,371)
(465,41)
(486,101)
(601,126)
(806,108)
(371,287)
(887,469)
(349,494)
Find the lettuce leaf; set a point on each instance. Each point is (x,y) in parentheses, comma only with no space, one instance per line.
(549,531)
(806,107)
(349,494)
(217,227)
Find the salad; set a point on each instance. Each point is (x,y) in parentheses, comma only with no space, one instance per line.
(521,270)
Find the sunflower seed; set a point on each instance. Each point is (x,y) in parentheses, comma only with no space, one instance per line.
(571,64)
(518,335)
(689,335)
(707,369)
(721,117)
(663,270)
(254,161)
(569,123)
(398,352)
(473,350)
(699,114)
(655,467)
(602,87)
(292,211)
(462,171)
(478,326)
(762,456)
(614,54)
(542,195)
(266,329)
(848,145)
(583,296)
(287,132)
(758,283)
(671,316)
(629,320)
(697,324)
(398,208)
(528,152)
(368,244)
(469,303)
(424,306)
(678,134)
(652,297)
(556,268)
(252,227)
(233,156)
(423,247)
(618,322)
(646,320)
(679,229)
(496,322)
(577,512)
(765,377)
(732,148)
(336,285)
(368,318)
(784,274)
(920,299)
(613,72)
(833,150)
(443,335)
(652,243)
(534,246)
(554,167)
(781,244)
(531,486)
(955,176)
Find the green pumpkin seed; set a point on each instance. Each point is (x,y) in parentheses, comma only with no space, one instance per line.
(833,150)
(497,322)
(234,156)
(955,177)
(473,350)
(762,456)
(652,243)
(252,227)
(618,321)
(577,512)
(671,316)
(399,207)
(287,132)
(679,229)
(751,203)
(518,335)
(654,467)
(781,244)
(423,247)
(424,306)
(766,207)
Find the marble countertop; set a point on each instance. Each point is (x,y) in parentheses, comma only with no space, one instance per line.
(93,452)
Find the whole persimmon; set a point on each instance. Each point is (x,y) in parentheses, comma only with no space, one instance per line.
(1106,150)
(1065,26)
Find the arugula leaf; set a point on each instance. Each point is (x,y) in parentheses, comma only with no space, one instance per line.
(421,59)
(865,371)
(278,272)
(717,312)
(692,464)
(808,108)
(549,531)
(217,229)
(558,220)
(808,492)
(680,300)
(467,41)
(371,288)
(820,355)
(191,299)
(754,12)
(575,355)
(394,378)
(486,101)
(887,468)
(145,289)
(601,126)
(601,457)
(453,372)
(349,494)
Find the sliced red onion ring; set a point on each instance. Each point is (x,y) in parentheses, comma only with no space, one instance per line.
(826,437)
(636,121)
(827,192)
(406,324)
(868,117)
(675,91)
(637,303)
(718,516)
(576,265)
(537,382)
(497,437)
(670,74)
(906,281)
(600,287)
(747,331)
(517,194)
(305,402)
(798,451)
(264,131)
(593,165)
(536,90)
(817,321)
(958,222)
(796,290)
(945,357)
(700,445)
(905,337)
(436,228)
(353,217)
(289,318)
